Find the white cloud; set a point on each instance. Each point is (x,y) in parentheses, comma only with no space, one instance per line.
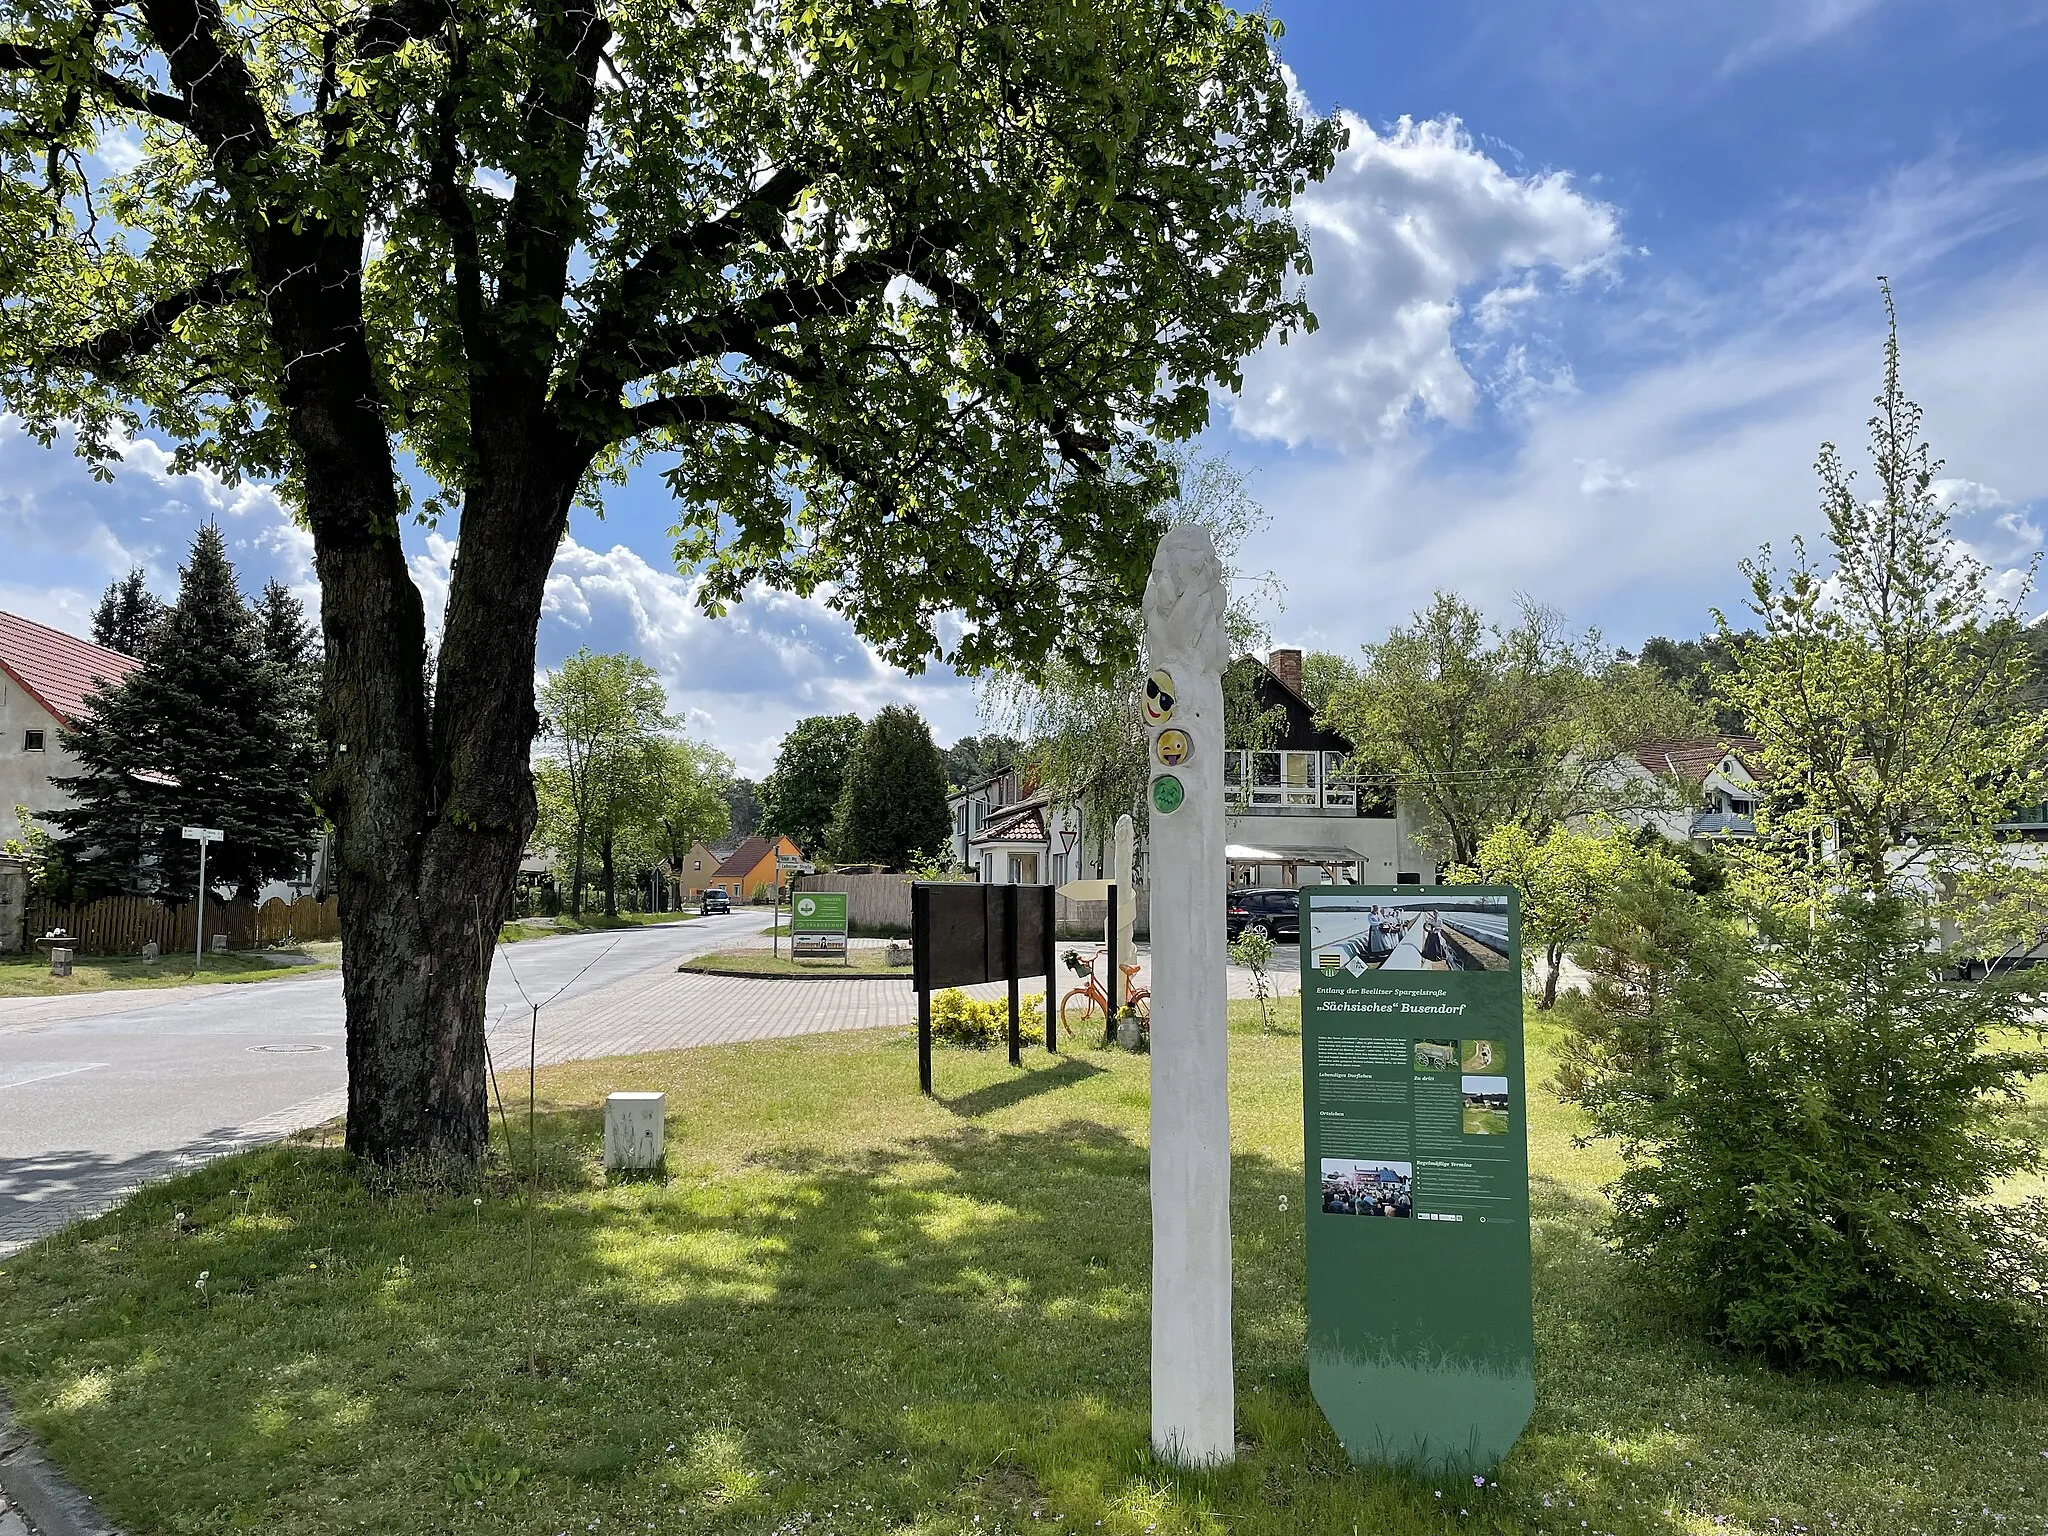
(739,681)
(1632,505)
(1411,228)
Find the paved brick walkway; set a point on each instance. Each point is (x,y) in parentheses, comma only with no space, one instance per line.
(667,1010)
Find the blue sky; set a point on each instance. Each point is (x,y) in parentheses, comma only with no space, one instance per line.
(1595,279)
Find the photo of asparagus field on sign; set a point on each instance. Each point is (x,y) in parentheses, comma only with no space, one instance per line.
(1410,933)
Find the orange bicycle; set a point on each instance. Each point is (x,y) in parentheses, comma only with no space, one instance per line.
(1089,1000)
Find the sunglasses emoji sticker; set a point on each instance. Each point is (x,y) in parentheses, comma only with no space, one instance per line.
(1159,698)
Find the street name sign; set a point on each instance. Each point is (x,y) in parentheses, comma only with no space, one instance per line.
(202,834)
(1421,1341)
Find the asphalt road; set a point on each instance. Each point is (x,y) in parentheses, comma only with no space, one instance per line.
(91,1106)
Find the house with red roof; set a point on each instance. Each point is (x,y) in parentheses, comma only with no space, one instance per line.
(45,675)
(1712,785)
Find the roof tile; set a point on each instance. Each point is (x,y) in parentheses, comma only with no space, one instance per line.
(58,669)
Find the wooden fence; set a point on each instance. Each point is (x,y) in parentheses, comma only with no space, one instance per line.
(881,904)
(121,925)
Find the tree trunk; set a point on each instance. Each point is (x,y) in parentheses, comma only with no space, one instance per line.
(610,874)
(1553,958)
(432,815)
(576,877)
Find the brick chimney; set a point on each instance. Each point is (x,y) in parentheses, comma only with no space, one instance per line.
(1286,665)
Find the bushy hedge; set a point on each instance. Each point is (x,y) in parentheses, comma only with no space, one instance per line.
(958,1019)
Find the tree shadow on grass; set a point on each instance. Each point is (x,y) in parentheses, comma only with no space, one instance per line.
(1033,1081)
(945,1332)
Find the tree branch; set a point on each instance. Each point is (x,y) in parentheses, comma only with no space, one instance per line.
(123,93)
(722,410)
(105,352)
(740,326)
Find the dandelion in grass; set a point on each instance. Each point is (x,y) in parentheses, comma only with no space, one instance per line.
(200,1286)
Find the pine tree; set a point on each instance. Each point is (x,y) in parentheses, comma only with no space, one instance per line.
(893,805)
(201,733)
(127,616)
(291,645)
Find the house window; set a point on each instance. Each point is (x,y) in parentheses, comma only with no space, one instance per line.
(31,741)
(1339,793)
(1290,779)
(696,863)
(1059,869)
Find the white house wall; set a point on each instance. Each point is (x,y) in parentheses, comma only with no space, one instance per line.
(1385,848)
(25,776)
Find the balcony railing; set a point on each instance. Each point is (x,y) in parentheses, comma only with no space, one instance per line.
(1722,824)
(1288,781)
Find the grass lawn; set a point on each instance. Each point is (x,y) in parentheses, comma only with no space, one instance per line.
(761,962)
(28,975)
(846,1310)
(523,928)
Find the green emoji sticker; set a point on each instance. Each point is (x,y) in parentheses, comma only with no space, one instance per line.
(1167,794)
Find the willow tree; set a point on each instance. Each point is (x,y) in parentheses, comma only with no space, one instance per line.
(883,287)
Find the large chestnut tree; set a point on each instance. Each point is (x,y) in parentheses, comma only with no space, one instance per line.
(896,295)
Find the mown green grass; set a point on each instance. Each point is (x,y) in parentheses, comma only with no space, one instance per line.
(762,962)
(520,929)
(28,975)
(848,1310)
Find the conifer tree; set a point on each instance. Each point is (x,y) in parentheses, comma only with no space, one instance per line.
(893,805)
(127,616)
(201,733)
(291,645)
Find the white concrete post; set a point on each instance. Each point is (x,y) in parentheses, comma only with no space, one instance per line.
(1193,1394)
(1126,905)
(633,1130)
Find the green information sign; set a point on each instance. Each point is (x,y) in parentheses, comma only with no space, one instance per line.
(1421,1344)
(817,923)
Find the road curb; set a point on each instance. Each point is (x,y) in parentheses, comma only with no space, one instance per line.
(46,1496)
(687,969)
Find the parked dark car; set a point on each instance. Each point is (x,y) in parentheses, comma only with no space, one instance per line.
(715,901)
(1276,910)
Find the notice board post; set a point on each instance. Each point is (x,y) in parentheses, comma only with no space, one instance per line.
(1421,1341)
(963,933)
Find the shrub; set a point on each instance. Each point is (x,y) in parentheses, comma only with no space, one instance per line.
(1253,950)
(1808,1114)
(958,1019)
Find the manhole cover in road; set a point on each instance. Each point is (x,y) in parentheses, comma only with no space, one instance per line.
(293,1049)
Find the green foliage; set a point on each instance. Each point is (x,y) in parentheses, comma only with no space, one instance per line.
(887,276)
(1478,727)
(683,798)
(1562,880)
(42,857)
(1887,693)
(208,731)
(958,1019)
(1808,1118)
(1253,949)
(743,806)
(935,864)
(1695,668)
(1634,951)
(894,799)
(1323,674)
(1085,739)
(801,794)
(127,616)
(605,719)
(974,758)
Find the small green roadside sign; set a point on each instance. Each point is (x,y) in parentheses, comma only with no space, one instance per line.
(1421,1341)
(817,923)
